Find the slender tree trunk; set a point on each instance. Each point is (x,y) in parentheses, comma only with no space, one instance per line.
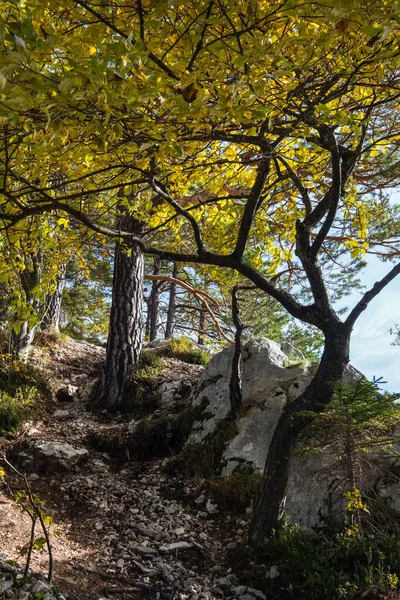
(30,278)
(125,337)
(169,328)
(278,462)
(202,326)
(51,318)
(235,383)
(154,303)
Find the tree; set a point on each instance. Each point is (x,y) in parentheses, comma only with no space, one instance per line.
(125,335)
(239,144)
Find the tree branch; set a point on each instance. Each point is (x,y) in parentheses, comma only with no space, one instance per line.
(111,25)
(158,188)
(370,295)
(251,207)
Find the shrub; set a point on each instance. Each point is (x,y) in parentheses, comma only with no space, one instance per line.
(344,566)
(13,410)
(21,387)
(139,399)
(152,438)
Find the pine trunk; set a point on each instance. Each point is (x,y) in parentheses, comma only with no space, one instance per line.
(202,327)
(277,467)
(169,328)
(51,318)
(154,304)
(125,337)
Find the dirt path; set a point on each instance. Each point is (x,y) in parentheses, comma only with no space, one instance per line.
(125,529)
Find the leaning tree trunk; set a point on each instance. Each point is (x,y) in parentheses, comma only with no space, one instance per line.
(277,467)
(171,312)
(51,318)
(125,336)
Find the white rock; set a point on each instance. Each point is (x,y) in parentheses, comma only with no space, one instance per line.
(211,508)
(272,573)
(56,454)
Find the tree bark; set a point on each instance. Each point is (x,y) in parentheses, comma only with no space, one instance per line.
(169,328)
(202,326)
(51,318)
(30,278)
(277,467)
(125,337)
(235,383)
(153,308)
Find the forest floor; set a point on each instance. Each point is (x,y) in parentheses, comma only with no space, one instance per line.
(114,520)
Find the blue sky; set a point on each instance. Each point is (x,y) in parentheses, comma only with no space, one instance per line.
(371,351)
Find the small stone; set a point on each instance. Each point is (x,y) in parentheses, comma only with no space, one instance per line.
(211,508)
(7,567)
(40,587)
(272,573)
(67,393)
(177,547)
(62,415)
(148,532)
(224,582)
(6,582)
(243,592)
(144,550)
(180,531)
(200,499)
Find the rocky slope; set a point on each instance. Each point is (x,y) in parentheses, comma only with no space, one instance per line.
(125,528)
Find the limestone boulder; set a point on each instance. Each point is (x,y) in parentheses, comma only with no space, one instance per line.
(53,456)
(270,379)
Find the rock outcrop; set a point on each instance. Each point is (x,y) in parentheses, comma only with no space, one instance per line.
(270,380)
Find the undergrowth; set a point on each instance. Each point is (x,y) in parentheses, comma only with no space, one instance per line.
(234,494)
(357,562)
(184,349)
(152,438)
(139,399)
(21,389)
(204,459)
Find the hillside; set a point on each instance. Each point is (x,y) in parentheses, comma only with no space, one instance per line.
(127,529)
